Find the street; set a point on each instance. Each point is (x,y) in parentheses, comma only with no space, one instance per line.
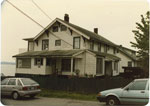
(43,101)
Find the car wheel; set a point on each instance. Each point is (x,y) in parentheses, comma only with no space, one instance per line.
(112,101)
(15,95)
(32,96)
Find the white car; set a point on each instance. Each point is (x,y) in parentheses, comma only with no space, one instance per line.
(135,93)
(17,87)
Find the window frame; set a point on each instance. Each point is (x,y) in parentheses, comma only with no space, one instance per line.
(36,63)
(92,45)
(99,47)
(61,28)
(56,42)
(21,60)
(9,81)
(132,85)
(54,30)
(101,67)
(75,42)
(116,64)
(43,47)
(6,81)
(130,63)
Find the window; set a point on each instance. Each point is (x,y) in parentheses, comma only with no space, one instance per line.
(12,82)
(99,66)
(30,46)
(76,42)
(45,44)
(24,63)
(57,42)
(116,66)
(48,61)
(4,82)
(66,65)
(55,29)
(63,28)
(106,48)
(28,81)
(138,85)
(129,63)
(99,47)
(92,45)
(114,50)
(19,83)
(38,61)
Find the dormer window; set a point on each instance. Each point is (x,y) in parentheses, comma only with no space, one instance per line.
(63,28)
(55,28)
(45,44)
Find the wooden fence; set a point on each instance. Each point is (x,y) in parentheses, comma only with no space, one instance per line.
(75,84)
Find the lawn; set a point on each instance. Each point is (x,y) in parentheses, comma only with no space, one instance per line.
(64,94)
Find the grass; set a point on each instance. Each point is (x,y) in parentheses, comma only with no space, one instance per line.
(70,95)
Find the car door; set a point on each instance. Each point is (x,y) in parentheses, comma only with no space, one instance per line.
(135,93)
(3,86)
(11,85)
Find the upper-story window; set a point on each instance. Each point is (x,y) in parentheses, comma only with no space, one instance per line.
(92,45)
(106,48)
(57,42)
(30,46)
(55,28)
(114,50)
(99,47)
(63,28)
(76,42)
(45,44)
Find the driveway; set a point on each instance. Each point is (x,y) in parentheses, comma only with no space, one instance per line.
(43,101)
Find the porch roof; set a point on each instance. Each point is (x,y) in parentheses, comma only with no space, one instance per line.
(55,53)
(106,55)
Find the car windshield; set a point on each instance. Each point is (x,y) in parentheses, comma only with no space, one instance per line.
(28,81)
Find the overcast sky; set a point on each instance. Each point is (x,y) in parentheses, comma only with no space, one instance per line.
(115,20)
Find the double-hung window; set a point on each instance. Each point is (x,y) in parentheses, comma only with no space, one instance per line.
(45,44)
(76,42)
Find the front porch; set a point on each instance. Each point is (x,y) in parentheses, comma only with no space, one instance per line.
(63,65)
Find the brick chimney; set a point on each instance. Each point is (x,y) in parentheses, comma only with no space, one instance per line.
(96,30)
(66,18)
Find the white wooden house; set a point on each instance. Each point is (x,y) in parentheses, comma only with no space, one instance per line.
(67,49)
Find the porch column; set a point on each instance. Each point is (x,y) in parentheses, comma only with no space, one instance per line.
(71,66)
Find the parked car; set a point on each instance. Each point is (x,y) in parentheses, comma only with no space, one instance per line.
(137,92)
(17,87)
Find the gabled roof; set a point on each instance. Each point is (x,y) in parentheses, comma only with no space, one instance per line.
(84,32)
(92,35)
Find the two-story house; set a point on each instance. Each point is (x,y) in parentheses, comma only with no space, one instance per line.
(67,49)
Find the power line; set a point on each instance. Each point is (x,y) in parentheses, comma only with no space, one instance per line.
(35,21)
(40,9)
(24,14)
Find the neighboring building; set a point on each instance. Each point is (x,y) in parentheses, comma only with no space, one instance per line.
(66,49)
